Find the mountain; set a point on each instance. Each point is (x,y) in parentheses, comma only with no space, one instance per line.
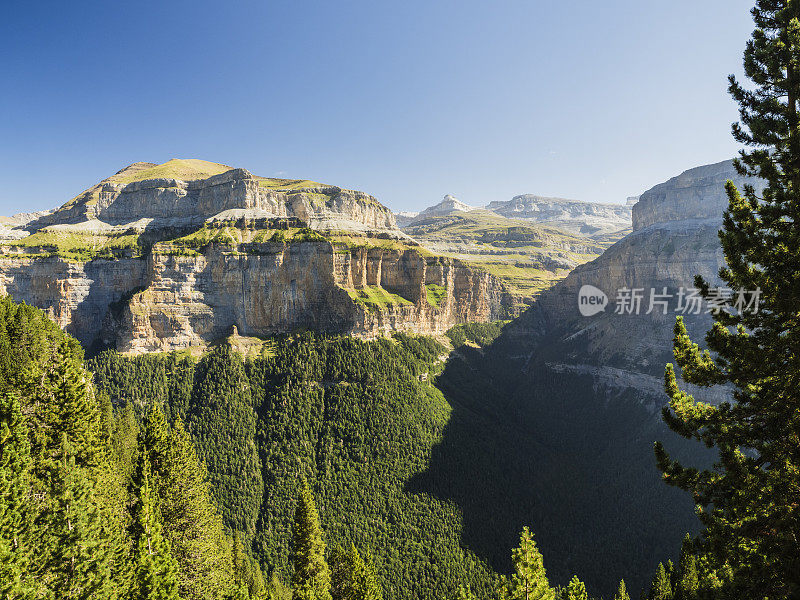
(404,217)
(559,414)
(448,206)
(581,218)
(525,256)
(163,257)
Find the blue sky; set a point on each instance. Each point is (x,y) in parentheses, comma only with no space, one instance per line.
(405,100)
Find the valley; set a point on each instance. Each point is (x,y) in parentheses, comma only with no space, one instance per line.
(436,451)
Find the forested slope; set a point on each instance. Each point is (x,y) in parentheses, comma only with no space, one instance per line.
(433,466)
(355,418)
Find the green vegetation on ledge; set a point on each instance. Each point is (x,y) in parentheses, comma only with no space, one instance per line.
(77,247)
(375,297)
(435,294)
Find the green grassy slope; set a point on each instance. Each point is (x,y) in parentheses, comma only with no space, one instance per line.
(528,258)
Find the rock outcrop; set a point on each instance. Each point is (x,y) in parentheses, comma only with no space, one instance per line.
(574,216)
(146,261)
(696,194)
(674,239)
(448,206)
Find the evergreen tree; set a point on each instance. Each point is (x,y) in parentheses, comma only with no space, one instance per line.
(223,423)
(312,578)
(276,590)
(622,592)
(79,562)
(352,577)
(155,569)
(191,523)
(70,411)
(575,590)
(529,580)
(748,502)
(15,513)
(687,580)
(661,587)
(247,571)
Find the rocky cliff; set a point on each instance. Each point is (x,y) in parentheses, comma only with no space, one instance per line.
(674,239)
(143,195)
(146,261)
(698,193)
(574,216)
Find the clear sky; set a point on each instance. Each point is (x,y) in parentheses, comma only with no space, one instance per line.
(405,100)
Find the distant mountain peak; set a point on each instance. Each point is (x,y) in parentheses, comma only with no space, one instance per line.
(448,206)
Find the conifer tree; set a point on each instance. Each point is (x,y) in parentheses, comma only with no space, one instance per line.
(529,580)
(687,579)
(15,514)
(353,577)
(622,591)
(191,523)
(155,569)
(748,502)
(661,586)
(575,590)
(79,561)
(312,578)
(71,411)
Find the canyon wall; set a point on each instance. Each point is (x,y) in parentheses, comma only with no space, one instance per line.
(625,347)
(173,299)
(698,193)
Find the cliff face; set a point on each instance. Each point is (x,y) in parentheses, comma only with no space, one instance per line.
(274,288)
(144,262)
(674,239)
(76,295)
(698,193)
(582,218)
(166,201)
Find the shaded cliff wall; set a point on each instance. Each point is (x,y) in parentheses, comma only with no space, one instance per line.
(77,296)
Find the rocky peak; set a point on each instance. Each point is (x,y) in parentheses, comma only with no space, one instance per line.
(695,194)
(575,216)
(448,206)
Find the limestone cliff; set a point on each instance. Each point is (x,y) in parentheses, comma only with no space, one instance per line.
(674,239)
(698,193)
(126,198)
(574,216)
(163,257)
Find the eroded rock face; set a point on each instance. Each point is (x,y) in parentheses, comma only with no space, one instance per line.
(170,200)
(77,296)
(583,218)
(698,193)
(277,288)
